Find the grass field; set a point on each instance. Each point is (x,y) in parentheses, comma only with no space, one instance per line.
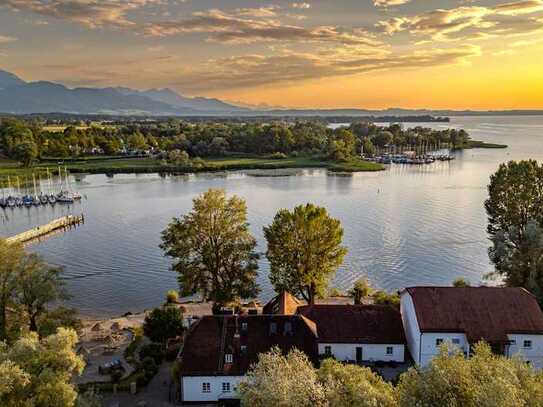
(61,128)
(113,165)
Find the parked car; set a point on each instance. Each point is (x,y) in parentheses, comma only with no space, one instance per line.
(109,367)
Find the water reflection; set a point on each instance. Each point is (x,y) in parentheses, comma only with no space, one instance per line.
(408,225)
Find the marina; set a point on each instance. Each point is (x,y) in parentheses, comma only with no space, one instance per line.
(49,193)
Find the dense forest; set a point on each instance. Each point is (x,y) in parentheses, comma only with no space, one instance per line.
(29,141)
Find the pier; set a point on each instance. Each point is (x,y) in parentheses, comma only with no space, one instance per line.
(63,223)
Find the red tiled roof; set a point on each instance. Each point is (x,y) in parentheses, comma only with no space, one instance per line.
(373,324)
(482,313)
(214,336)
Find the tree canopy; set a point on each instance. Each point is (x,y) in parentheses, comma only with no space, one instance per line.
(282,381)
(304,250)
(483,380)
(213,250)
(354,386)
(360,290)
(515,224)
(38,373)
(163,323)
(27,286)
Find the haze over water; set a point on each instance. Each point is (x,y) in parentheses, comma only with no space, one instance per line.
(409,225)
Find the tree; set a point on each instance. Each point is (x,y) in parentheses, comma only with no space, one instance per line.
(10,260)
(39,373)
(38,284)
(213,249)
(137,141)
(27,286)
(354,386)
(163,323)
(383,138)
(484,380)
(25,152)
(179,157)
(515,221)
(360,290)
(304,250)
(461,282)
(282,381)
(383,298)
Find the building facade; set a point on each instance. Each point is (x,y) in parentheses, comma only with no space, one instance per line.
(507,318)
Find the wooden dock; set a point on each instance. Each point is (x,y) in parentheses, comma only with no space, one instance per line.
(63,223)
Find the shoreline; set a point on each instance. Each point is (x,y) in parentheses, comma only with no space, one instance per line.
(138,165)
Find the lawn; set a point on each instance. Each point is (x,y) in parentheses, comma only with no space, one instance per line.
(149,165)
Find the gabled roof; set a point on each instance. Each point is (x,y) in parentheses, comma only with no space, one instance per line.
(245,337)
(372,324)
(283,304)
(482,313)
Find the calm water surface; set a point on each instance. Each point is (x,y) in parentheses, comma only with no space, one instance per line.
(408,225)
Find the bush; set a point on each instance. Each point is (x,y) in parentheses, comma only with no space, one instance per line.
(163,323)
(150,369)
(278,156)
(172,297)
(154,351)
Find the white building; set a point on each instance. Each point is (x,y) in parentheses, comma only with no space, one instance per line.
(358,333)
(219,350)
(507,318)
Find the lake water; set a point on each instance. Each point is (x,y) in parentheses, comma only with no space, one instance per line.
(409,225)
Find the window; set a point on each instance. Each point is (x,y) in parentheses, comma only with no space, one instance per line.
(390,350)
(243,348)
(527,344)
(226,387)
(512,342)
(273,328)
(288,328)
(439,341)
(244,326)
(328,350)
(206,387)
(456,341)
(228,358)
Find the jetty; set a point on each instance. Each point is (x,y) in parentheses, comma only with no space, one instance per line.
(66,222)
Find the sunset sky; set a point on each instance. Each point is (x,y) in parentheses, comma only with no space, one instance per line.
(314,53)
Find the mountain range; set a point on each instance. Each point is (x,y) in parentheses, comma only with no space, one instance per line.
(20,97)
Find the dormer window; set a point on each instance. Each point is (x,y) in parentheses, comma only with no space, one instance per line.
(228,358)
(288,328)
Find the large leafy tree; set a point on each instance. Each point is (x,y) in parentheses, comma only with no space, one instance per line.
(351,385)
(515,221)
(38,285)
(10,260)
(39,373)
(304,250)
(163,323)
(213,250)
(27,286)
(285,381)
(484,380)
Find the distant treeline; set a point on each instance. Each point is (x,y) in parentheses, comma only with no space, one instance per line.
(66,118)
(30,140)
